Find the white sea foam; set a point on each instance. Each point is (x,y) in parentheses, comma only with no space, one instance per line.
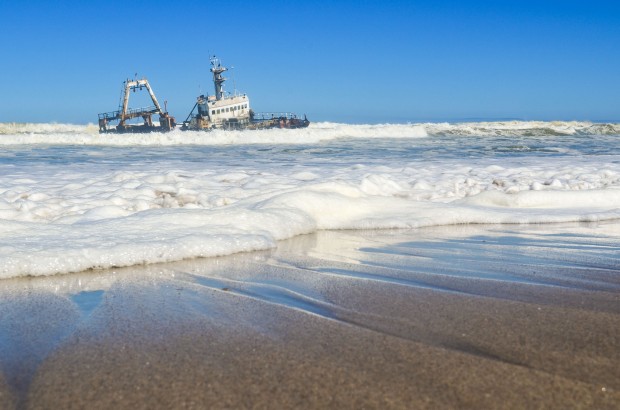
(67,134)
(523,128)
(70,134)
(67,216)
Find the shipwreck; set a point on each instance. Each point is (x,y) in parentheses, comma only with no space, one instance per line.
(233,112)
(124,114)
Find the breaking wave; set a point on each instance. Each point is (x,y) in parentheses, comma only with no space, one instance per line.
(72,134)
(523,128)
(70,208)
(19,128)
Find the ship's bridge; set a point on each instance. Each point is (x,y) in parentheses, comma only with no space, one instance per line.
(225,109)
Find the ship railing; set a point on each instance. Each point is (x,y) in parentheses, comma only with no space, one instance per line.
(112,115)
(135,112)
(262,116)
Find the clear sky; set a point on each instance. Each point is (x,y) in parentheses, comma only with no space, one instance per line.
(346,61)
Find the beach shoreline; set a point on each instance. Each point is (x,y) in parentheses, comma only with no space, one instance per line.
(444,317)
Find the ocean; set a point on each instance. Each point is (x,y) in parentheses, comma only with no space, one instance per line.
(467,265)
(73,200)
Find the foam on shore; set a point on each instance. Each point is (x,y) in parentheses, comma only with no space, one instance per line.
(67,209)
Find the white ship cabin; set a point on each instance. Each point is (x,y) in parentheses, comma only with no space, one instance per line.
(235,107)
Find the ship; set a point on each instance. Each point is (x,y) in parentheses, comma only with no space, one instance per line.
(124,114)
(232,111)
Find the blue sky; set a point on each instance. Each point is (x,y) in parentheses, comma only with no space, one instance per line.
(346,61)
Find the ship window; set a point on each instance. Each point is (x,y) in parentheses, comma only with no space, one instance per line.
(218,110)
(213,112)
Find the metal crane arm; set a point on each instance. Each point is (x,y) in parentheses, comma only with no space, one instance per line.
(135,84)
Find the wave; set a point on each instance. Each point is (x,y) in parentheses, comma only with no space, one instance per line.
(60,215)
(73,134)
(522,128)
(19,128)
(163,235)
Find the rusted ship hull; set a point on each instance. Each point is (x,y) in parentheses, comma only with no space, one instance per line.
(282,122)
(285,122)
(165,125)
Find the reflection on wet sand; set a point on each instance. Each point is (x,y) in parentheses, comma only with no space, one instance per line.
(469,316)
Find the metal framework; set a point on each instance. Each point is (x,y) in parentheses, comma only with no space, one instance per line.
(124,113)
(218,81)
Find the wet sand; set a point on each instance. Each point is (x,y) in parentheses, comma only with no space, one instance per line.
(448,317)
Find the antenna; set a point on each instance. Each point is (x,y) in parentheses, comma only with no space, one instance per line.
(217,69)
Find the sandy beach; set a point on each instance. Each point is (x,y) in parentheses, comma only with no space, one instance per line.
(445,317)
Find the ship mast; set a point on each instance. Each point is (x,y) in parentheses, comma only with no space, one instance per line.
(218,80)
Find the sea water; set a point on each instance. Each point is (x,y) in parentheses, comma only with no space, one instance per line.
(72,200)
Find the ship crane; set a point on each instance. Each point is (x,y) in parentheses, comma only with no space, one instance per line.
(124,113)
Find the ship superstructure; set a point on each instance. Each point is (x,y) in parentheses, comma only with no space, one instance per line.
(219,110)
(225,111)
